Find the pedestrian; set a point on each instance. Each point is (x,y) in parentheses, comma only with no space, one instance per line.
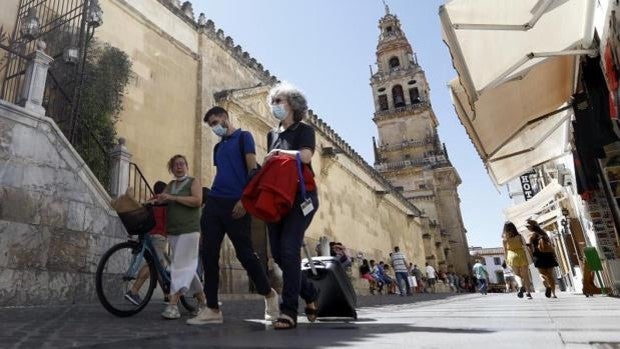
(339,251)
(365,274)
(452,282)
(543,255)
(183,196)
(482,276)
(516,258)
(399,262)
(296,139)
(509,277)
(431,276)
(235,159)
(417,274)
(389,278)
(376,273)
(159,241)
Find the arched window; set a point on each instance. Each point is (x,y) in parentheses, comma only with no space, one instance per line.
(398,96)
(394,62)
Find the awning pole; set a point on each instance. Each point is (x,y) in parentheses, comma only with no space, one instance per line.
(458,58)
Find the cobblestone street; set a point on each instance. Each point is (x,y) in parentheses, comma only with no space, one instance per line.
(428,321)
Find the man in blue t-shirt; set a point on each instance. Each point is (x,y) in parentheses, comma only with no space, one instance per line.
(235,159)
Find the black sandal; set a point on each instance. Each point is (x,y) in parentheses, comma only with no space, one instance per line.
(311,314)
(285,320)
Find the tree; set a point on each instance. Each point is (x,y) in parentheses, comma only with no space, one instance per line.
(107,71)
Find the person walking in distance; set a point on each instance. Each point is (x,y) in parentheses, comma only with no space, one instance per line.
(482,276)
(235,159)
(509,277)
(543,255)
(516,258)
(431,276)
(399,262)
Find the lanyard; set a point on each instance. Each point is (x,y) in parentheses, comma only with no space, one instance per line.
(300,174)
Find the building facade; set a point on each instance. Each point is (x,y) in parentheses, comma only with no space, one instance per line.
(492,260)
(409,152)
(182,66)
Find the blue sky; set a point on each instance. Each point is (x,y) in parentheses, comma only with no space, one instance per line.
(325,48)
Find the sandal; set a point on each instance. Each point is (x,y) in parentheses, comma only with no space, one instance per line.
(311,313)
(284,322)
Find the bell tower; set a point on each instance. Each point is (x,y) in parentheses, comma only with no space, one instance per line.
(408,151)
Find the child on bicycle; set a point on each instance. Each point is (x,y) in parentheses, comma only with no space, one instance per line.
(160,242)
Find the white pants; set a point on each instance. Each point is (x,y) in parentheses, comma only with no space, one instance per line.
(184,250)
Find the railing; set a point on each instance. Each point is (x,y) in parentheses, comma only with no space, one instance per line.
(95,154)
(427,161)
(407,144)
(141,189)
(407,108)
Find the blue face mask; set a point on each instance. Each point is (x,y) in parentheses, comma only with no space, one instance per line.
(219,130)
(278,111)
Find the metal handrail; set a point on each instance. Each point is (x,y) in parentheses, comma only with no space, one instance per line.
(142,189)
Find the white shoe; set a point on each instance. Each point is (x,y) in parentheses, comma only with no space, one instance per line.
(206,316)
(171,312)
(272,307)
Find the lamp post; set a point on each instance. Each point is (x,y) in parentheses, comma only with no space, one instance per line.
(31,25)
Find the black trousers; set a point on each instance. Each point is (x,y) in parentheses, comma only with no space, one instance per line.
(286,238)
(216,221)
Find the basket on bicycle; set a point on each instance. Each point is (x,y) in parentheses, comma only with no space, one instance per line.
(139,221)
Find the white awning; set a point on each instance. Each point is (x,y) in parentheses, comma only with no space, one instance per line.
(506,130)
(544,207)
(492,41)
(517,64)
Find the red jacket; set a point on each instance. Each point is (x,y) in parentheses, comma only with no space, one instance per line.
(271,193)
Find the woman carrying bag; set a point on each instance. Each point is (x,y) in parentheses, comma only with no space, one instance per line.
(543,255)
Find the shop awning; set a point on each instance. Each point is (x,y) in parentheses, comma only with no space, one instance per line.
(544,207)
(506,130)
(516,62)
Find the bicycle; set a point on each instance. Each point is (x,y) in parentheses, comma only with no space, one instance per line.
(118,268)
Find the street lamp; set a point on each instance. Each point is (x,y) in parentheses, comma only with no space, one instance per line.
(31,25)
(71,55)
(95,14)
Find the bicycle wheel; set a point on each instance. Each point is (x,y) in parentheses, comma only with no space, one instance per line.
(117,272)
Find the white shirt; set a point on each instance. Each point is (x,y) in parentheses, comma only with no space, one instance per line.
(430,272)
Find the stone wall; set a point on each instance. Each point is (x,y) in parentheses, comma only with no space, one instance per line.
(55,219)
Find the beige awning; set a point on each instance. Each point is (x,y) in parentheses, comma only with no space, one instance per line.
(544,207)
(517,63)
(507,129)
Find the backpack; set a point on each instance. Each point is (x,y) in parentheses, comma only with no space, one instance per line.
(544,245)
(242,150)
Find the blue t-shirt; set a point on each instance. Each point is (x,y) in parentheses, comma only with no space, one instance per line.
(231,176)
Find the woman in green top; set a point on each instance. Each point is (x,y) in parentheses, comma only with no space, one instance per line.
(184,197)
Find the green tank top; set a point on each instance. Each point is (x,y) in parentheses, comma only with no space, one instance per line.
(182,219)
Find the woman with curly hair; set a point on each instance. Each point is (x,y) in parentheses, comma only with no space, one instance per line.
(295,139)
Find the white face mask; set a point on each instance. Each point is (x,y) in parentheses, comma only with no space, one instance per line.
(219,130)
(279,111)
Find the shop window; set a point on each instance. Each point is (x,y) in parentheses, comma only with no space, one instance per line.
(398,96)
(383,102)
